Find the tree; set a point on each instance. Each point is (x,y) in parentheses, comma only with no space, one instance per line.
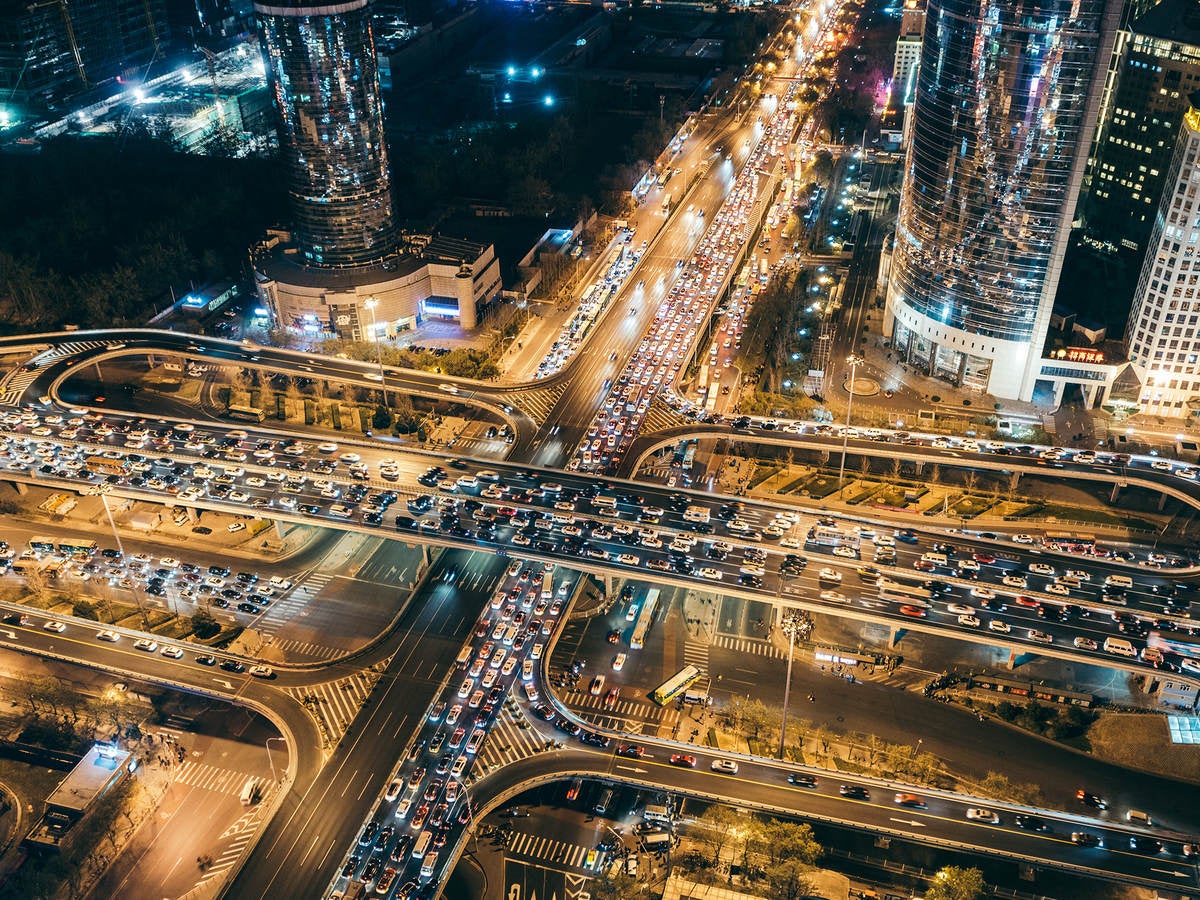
(613,887)
(719,823)
(204,625)
(969,482)
(954,883)
(782,841)
(790,879)
(935,473)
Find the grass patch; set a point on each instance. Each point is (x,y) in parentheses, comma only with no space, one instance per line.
(176,629)
(969,507)
(1142,742)
(32,784)
(865,493)
(1095,516)
(711,738)
(792,485)
(762,474)
(818,486)
(895,496)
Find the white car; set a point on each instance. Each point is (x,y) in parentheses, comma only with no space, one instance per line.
(728,766)
(1015,581)
(327,447)
(282,584)
(619,662)
(711,574)
(235,526)
(394,790)
(168,562)
(1040,637)
(983,593)
(959,609)
(834,597)
(1022,538)
(968,621)
(983,815)
(172,653)
(997,625)
(1041,569)
(1083,643)
(828,574)
(848,552)
(1061,589)
(146,644)
(108,635)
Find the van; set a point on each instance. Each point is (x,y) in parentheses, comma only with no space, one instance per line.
(1121,581)
(422,844)
(510,635)
(656,814)
(938,559)
(1120,647)
(464,656)
(604,501)
(657,841)
(601,807)
(1152,655)
(430,864)
(1137,817)
(536,653)
(249,791)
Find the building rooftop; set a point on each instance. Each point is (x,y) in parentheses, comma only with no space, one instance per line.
(1177,21)
(90,778)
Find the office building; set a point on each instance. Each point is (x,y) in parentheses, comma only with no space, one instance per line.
(908,50)
(1006,100)
(321,68)
(1159,67)
(1162,338)
(52,51)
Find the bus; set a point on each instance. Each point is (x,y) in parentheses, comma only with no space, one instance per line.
(905,593)
(102,465)
(42,545)
(644,620)
(77,547)
(1068,542)
(675,685)
(245,413)
(666,204)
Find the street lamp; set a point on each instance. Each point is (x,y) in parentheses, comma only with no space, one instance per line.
(137,594)
(793,623)
(370,303)
(853,362)
(274,777)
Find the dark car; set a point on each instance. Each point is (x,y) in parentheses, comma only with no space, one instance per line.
(1141,844)
(544,712)
(596,740)
(247,607)
(206,660)
(1032,823)
(1086,839)
(800,780)
(232,665)
(633,751)
(350,866)
(369,831)
(854,792)
(1087,798)
(568,726)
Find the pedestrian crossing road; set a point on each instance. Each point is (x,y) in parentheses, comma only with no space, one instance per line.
(215,778)
(14,388)
(549,850)
(748,645)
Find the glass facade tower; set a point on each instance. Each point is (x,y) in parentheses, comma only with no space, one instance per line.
(1006,101)
(321,66)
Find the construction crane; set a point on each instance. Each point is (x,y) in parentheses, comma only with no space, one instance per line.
(210,60)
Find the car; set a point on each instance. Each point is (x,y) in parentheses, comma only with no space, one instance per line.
(910,800)
(686,760)
(915,612)
(232,665)
(394,790)
(983,593)
(854,792)
(55,626)
(108,635)
(728,766)
(1141,844)
(597,686)
(1083,643)
(1087,798)
(801,780)
(999,626)
(632,751)
(146,645)
(206,659)
(848,552)
(959,609)
(828,574)
(1032,823)
(1086,839)
(979,814)
(172,652)
(618,662)
(262,671)
(968,621)
(350,866)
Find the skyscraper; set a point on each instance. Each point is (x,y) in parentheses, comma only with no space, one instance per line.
(1006,100)
(322,71)
(1159,67)
(1162,338)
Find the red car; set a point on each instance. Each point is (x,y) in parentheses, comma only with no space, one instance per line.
(923,565)
(1023,600)
(683,759)
(985,559)
(917,612)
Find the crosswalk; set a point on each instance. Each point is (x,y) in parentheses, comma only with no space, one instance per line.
(660,417)
(305,651)
(749,645)
(539,402)
(236,836)
(294,602)
(549,850)
(214,778)
(696,654)
(334,704)
(507,741)
(621,709)
(14,388)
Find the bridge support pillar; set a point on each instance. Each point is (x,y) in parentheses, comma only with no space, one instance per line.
(279,532)
(919,466)
(20,487)
(1162,502)
(1012,660)
(1114,494)
(894,635)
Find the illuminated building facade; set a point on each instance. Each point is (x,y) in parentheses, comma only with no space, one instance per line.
(1006,100)
(1158,69)
(321,67)
(1162,338)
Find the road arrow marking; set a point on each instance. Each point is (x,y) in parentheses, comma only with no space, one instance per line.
(223,682)
(11,635)
(913,823)
(1171,872)
(632,769)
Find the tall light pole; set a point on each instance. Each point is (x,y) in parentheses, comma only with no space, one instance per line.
(370,303)
(853,362)
(137,594)
(792,624)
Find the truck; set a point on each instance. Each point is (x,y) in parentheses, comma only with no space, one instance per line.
(697,514)
(102,465)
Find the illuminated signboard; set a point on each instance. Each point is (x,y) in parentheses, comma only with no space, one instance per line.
(1080,354)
